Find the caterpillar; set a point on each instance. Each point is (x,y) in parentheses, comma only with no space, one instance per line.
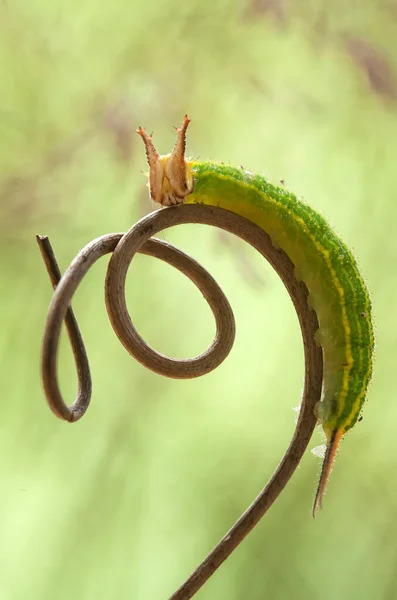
(337,291)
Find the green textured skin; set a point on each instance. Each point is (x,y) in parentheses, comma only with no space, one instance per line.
(337,291)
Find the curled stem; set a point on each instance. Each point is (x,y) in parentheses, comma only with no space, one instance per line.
(124,247)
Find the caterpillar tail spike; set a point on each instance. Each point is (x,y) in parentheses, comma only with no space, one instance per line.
(328,461)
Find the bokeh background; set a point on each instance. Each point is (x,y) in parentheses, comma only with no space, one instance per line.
(125,503)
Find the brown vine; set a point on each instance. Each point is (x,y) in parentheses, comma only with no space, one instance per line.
(124,247)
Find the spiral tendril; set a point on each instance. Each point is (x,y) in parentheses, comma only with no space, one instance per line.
(123,248)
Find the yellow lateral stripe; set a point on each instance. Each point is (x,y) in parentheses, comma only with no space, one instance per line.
(365,379)
(357,402)
(345,320)
(359,323)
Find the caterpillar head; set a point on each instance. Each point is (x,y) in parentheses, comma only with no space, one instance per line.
(170,176)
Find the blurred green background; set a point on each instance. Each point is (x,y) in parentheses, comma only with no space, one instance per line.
(125,503)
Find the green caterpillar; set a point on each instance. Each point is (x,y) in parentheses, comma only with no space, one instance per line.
(337,291)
